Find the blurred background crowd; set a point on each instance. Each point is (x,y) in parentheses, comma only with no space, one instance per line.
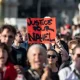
(20,60)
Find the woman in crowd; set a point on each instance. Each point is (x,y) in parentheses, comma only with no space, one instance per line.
(52,61)
(7,71)
(37,58)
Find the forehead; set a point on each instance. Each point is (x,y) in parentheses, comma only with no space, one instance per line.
(35,50)
(77,51)
(6,31)
(51,52)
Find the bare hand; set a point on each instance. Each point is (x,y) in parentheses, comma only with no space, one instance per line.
(46,74)
(19,69)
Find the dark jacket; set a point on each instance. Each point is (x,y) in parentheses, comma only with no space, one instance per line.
(18,56)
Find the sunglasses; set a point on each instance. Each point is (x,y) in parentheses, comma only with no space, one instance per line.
(78,55)
(52,56)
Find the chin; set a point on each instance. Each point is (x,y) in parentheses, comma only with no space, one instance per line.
(50,63)
(38,67)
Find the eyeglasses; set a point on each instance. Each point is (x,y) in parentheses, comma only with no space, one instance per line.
(52,56)
(78,55)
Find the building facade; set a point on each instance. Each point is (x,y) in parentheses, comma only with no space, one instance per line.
(10,8)
(63,10)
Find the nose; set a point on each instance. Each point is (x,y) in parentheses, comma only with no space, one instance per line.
(7,40)
(37,57)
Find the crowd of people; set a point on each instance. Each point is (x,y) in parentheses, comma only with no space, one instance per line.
(20,60)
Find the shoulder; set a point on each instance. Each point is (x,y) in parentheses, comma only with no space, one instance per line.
(28,75)
(22,49)
(10,65)
(64,70)
(65,64)
(63,73)
(11,70)
(13,50)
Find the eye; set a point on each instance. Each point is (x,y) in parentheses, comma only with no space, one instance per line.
(40,54)
(4,35)
(34,54)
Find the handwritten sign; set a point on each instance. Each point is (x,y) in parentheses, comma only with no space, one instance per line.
(41,30)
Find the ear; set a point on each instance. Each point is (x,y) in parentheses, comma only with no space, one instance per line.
(27,61)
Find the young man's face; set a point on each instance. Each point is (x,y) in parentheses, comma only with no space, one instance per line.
(18,38)
(76,57)
(7,37)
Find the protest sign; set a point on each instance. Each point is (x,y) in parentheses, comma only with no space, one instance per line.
(41,30)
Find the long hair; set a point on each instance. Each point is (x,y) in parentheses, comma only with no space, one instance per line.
(3,46)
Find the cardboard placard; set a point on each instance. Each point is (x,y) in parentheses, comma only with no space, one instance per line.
(41,30)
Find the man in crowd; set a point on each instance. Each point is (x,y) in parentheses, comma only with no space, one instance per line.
(37,58)
(24,34)
(7,36)
(73,71)
(20,55)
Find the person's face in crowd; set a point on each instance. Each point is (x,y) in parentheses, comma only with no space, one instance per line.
(52,57)
(3,57)
(72,47)
(76,57)
(25,37)
(7,37)
(18,37)
(36,58)
(23,31)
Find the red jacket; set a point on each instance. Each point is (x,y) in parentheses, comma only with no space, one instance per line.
(10,73)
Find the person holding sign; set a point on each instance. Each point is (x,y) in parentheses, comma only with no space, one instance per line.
(37,58)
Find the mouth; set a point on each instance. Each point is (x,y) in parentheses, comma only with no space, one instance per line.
(38,62)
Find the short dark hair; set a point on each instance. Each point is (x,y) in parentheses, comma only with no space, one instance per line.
(77,46)
(53,51)
(9,27)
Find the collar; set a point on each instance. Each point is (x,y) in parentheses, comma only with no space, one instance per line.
(72,66)
(17,47)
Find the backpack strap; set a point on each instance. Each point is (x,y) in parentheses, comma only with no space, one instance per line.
(34,74)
